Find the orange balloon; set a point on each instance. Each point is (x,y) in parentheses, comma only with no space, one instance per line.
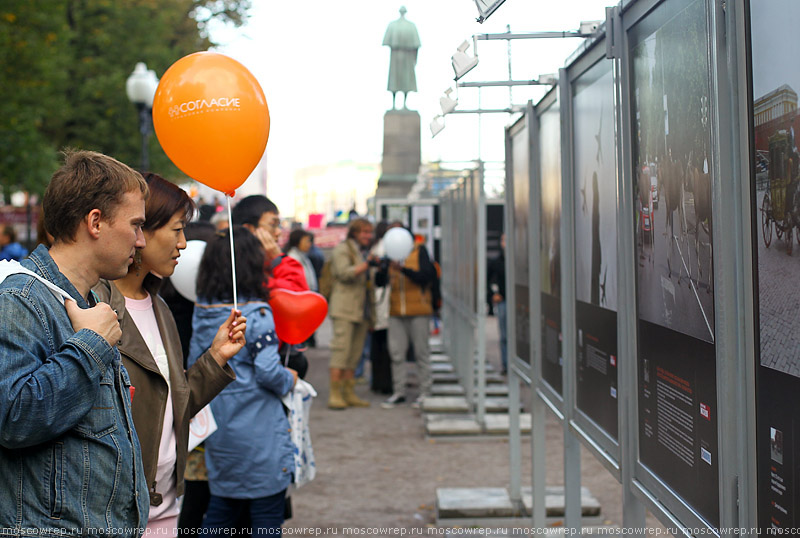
(211,119)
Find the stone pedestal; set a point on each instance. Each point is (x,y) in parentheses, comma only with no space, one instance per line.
(401,153)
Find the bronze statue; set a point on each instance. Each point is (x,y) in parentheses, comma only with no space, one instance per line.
(403,39)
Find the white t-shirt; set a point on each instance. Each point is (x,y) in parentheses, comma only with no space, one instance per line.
(143,315)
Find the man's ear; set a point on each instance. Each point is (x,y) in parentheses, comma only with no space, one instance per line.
(94,220)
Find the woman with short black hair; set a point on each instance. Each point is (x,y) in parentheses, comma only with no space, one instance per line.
(250,458)
(166,395)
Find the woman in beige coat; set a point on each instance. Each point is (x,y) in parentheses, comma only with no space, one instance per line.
(352,308)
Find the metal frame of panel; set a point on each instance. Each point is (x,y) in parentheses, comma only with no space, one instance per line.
(732,286)
(515,364)
(740,77)
(733,276)
(654,493)
(601,444)
(463,295)
(548,394)
(729,300)
(572,447)
(604,447)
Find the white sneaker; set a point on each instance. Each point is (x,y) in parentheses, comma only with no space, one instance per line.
(394,400)
(416,404)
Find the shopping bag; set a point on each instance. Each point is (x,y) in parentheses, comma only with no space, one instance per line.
(298,402)
(201,426)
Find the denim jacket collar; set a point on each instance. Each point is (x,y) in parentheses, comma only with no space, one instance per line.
(43,264)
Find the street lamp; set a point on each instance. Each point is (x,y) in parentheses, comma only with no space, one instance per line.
(141,89)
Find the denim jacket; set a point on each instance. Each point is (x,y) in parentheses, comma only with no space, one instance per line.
(251,454)
(70,461)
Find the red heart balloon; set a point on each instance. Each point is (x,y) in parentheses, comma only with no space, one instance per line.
(297,314)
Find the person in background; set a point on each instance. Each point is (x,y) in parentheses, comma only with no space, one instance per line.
(11,249)
(317,257)
(317,261)
(351,307)
(167,396)
(205,211)
(360,375)
(220,220)
(260,216)
(250,458)
(43,237)
(297,247)
(66,398)
(380,361)
(496,289)
(410,310)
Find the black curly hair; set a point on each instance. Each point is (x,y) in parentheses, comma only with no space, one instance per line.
(214,278)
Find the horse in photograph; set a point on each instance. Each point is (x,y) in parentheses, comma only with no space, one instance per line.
(792,203)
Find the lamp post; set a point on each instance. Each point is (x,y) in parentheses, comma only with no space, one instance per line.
(141,89)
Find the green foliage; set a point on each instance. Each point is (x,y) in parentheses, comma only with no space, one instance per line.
(63,66)
(31,60)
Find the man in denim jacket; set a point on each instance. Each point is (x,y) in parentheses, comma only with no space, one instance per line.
(70,461)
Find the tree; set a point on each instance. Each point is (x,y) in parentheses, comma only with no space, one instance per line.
(31,71)
(65,63)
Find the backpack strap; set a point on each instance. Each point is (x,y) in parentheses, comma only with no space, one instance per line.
(10,267)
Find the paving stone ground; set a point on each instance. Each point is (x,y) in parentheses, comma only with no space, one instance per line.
(376,471)
(779,300)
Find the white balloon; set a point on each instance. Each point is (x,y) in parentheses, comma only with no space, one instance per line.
(398,243)
(185,276)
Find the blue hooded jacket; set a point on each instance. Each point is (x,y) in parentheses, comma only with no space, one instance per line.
(251,454)
(13,251)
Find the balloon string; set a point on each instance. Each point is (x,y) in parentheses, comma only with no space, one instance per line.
(233,257)
(288,350)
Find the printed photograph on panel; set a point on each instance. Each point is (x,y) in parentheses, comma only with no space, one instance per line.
(595,188)
(520,148)
(550,145)
(550,246)
(595,214)
(776,81)
(422,225)
(672,183)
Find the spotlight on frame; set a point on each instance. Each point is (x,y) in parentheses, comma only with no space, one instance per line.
(447,103)
(437,125)
(462,62)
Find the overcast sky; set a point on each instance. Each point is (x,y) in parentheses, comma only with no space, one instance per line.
(324,73)
(775,46)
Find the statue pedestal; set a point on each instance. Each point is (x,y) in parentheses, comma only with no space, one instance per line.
(401,153)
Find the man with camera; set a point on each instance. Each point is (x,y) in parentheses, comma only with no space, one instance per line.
(410,311)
